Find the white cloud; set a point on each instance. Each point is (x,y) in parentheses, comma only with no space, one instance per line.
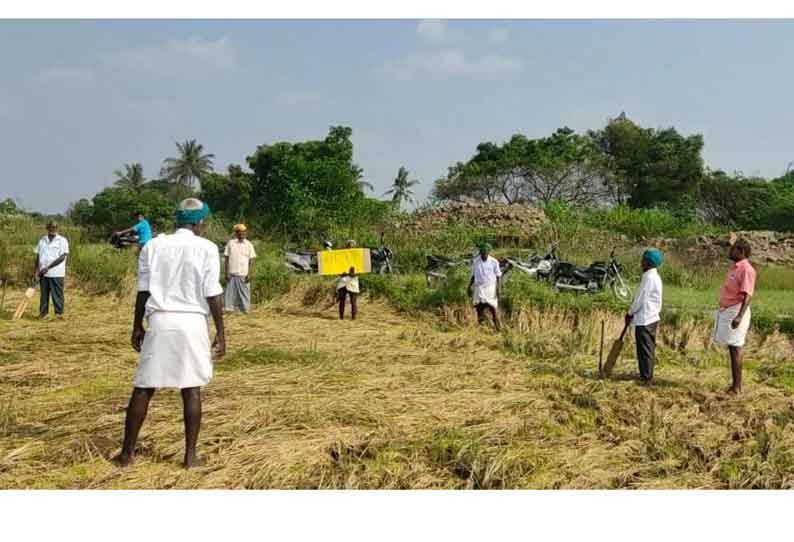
(298,98)
(451,62)
(192,58)
(433,31)
(65,76)
(498,36)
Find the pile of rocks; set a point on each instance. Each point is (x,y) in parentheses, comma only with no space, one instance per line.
(768,247)
(522,221)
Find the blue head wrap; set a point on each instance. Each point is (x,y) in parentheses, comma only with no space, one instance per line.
(191,216)
(653,256)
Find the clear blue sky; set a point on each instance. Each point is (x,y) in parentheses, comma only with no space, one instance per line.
(80,98)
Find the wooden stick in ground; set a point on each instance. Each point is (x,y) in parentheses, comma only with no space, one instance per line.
(601,350)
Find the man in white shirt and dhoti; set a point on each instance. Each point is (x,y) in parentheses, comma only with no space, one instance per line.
(178,287)
(484,285)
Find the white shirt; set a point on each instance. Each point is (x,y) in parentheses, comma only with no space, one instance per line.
(349,283)
(180,271)
(239,253)
(49,251)
(648,301)
(485,272)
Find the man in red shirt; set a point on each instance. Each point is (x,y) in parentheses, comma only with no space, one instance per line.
(733,316)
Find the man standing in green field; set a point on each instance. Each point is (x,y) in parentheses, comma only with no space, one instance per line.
(733,316)
(484,285)
(644,313)
(239,256)
(50,269)
(178,286)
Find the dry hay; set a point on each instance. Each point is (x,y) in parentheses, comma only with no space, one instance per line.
(306,401)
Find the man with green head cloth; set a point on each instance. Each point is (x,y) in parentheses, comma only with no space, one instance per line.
(178,287)
(644,313)
(484,285)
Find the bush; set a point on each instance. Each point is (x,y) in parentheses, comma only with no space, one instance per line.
(102,269)
(645,223)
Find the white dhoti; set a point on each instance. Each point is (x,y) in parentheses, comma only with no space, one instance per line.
(724,335)
(176,352)
(485,293)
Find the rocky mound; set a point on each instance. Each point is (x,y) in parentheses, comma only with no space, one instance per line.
(507,220)
(768,247)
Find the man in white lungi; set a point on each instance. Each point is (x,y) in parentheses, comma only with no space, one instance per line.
(733,317)
(239,256)
(178,287)
(485,284)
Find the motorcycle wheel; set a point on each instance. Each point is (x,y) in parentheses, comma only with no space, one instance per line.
(621,291)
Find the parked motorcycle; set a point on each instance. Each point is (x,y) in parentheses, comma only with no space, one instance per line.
(381,258)
(537,266)
(437,267)
(303,261)
(596,277)
(123,241)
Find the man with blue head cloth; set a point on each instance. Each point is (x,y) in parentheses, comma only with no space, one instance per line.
(178,287)
(644,313)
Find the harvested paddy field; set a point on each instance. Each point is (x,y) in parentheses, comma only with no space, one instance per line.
(303,400)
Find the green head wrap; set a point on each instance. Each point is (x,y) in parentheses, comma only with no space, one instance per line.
(191,211)
(485,247)
(653,256)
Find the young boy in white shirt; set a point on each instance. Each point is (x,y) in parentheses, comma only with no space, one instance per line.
(644,313)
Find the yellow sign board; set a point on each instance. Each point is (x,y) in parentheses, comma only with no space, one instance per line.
(336,262)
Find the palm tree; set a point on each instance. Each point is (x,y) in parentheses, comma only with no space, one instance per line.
(365,186)
(191,164)
(131,178)
(401,189)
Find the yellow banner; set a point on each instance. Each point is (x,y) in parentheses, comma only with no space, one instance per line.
(336,262)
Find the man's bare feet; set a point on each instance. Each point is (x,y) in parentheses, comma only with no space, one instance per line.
(123,460)
(194,461)
(733,391)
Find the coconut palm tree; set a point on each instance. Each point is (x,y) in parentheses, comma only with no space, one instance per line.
(365,186)
(401,188)
(131,178)
(191,164)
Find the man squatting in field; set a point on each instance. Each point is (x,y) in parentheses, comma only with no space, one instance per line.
(239,256)
(485,285)
(50,269)
(733,316)
(178,285)
(644,313)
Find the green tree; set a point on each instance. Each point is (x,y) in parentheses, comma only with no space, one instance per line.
(190,165)
(304,189)
(230,195)
(401,189)
(645,167)
(113,208)
(9,207)
(131,177)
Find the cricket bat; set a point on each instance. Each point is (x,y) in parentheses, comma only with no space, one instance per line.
(23,305)
(612,358)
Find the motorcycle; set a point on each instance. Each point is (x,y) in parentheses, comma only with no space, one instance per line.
(437,267)
(537,266)
(381,258)
(123,241)
(301,261)
(598,276)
